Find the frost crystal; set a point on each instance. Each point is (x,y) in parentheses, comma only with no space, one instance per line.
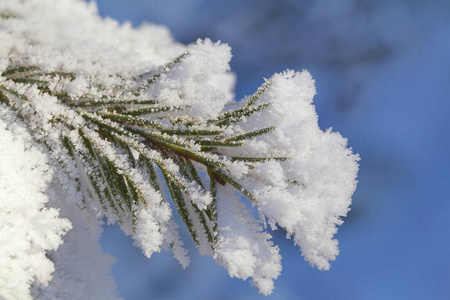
(103,120)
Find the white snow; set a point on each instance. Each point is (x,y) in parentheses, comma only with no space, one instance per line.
(27,227)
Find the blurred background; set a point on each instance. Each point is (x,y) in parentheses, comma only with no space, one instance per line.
(382,71)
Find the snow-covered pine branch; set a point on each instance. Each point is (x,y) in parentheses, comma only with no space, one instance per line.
(100,119)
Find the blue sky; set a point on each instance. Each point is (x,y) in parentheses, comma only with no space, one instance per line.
(382,71)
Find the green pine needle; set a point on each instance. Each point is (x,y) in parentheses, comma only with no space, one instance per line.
(160,135)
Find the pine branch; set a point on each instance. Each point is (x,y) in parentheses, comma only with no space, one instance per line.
(133,146)
(121,191)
